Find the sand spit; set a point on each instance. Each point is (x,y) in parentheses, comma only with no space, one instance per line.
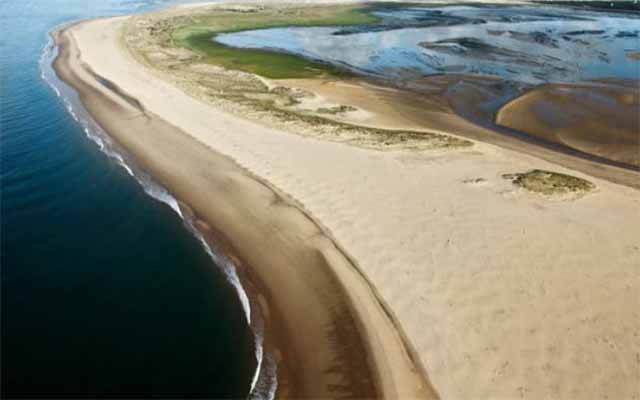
(328,342)
(502,293)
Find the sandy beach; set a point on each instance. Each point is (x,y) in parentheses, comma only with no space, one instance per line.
(398,274)
(328,342)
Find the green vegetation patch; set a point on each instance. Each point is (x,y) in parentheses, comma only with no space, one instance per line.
(335,110)
(197,33)
(547,182)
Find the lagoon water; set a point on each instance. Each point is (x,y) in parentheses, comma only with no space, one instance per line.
(530,44)
(105,291)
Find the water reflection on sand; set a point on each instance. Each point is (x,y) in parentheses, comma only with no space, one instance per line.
(531,44)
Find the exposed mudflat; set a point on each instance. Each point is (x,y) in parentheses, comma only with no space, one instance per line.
(599,118)
(531,44)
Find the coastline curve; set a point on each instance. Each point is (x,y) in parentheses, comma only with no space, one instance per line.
(358,348)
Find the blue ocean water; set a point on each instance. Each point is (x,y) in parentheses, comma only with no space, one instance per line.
(105,291)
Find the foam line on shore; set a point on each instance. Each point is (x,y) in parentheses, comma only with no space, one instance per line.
(346,343)
(158,192)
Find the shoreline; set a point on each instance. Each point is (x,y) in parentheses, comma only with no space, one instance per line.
(441,116)
(351,327)
(212,242)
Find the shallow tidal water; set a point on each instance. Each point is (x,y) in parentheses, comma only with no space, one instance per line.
(105,290)
(530,44)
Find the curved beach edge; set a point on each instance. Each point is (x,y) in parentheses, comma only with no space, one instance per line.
(326,327)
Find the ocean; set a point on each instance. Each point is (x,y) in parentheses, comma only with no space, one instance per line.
(106,290)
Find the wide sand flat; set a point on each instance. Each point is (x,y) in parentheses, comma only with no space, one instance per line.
(503,293)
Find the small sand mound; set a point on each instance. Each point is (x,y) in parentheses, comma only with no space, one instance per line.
(633,55)
(549,183)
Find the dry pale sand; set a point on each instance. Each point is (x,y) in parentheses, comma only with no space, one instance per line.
(503,293)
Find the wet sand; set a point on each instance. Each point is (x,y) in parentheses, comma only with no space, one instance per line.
(598,118)
(502,293)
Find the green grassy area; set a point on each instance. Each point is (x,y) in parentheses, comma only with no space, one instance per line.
(547,182)
(197,34)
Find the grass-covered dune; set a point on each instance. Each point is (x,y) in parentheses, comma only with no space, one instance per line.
(197,33)
(179,42)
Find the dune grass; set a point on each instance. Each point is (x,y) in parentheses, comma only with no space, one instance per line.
(550,183)
(160,41)
(197,34)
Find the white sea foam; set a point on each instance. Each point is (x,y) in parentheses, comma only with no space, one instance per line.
(259,357)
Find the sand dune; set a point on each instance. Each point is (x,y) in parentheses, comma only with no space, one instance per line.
(502,293)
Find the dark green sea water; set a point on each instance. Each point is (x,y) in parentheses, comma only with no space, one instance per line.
(105,291)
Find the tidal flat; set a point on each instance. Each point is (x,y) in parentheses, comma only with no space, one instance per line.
(473,61)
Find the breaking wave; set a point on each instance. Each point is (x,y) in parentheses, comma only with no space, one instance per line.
(264,381)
